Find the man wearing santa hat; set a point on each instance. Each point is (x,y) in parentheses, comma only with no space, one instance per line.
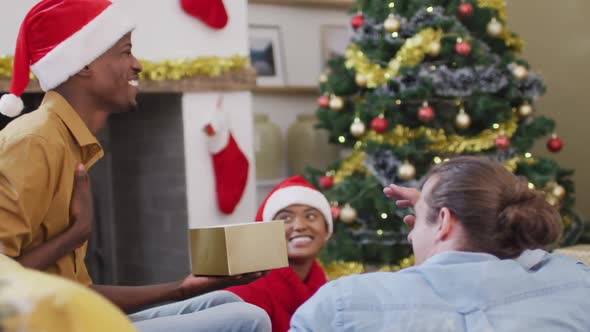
(80,52)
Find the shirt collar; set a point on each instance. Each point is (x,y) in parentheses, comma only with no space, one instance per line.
(70,118)
(458,257)
(529,259)
(91,148)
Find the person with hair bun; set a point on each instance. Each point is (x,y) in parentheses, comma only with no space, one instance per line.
(478,235)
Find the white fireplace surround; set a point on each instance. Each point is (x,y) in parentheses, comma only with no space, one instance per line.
(164,31)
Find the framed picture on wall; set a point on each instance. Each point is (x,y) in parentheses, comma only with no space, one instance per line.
(334,40)
(266,55)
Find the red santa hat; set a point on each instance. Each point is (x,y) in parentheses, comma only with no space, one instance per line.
(294,190)
(57,39)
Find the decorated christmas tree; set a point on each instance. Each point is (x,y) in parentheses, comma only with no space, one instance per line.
(420,82)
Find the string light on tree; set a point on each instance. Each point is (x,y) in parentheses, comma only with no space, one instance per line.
(323,78)
(426,112)
(525,109)
(502,142)
(357,20)
(406,171)
(391,24)
(347,214)
(336,103)
(465,9)
(357,128)
(324,101)
(462,120)
(463,47)
(494,27)
(379,124)
(554,144)
(520,72)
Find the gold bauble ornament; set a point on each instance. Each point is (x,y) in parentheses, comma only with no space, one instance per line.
(434,48)
(357,128)
(361,80)
(525,110)
(558,191)
(348,214)
(406,171)
(463,120)
(520,72)
(494,28)
(323,78)
(336,103)
(391,24)
(552,200)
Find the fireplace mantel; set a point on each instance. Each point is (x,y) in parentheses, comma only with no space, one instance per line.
(237,80)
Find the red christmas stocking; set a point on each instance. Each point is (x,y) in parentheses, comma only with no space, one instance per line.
(212,12)
(229,164)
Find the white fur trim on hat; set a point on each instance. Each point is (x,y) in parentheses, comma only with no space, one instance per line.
(11,105)
(81,48)
(282,198)
(219,141)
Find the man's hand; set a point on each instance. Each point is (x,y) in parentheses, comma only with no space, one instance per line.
(405,197)
(78,232)
(81,208)
(197,285)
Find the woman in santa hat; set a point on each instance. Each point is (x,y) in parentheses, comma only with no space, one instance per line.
(308,224)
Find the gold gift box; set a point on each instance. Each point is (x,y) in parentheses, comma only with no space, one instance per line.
(239,248)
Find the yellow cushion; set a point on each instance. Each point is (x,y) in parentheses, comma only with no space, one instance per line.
(36,301)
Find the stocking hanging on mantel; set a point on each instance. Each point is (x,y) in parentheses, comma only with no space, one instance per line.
(230,164)
(211,12)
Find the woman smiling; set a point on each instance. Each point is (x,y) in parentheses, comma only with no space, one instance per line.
(308,224)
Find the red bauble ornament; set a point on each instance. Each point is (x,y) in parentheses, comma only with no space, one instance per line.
(426,113)
(335,210)
(324,101)
(502,142)
(379,124)
(357,21)
(463,48)
(554,144)
(465,9)
(326,182)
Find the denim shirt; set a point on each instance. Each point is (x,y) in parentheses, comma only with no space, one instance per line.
(457,291)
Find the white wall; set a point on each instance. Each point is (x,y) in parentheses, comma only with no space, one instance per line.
(197,110)
(164,31)
(300,29)
(557,45)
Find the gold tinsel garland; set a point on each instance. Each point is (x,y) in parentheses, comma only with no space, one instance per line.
(351,164)
(415,48)
(172,70)
(335,270)
(511,41)
(441,143)
(411,53)
(498,5)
